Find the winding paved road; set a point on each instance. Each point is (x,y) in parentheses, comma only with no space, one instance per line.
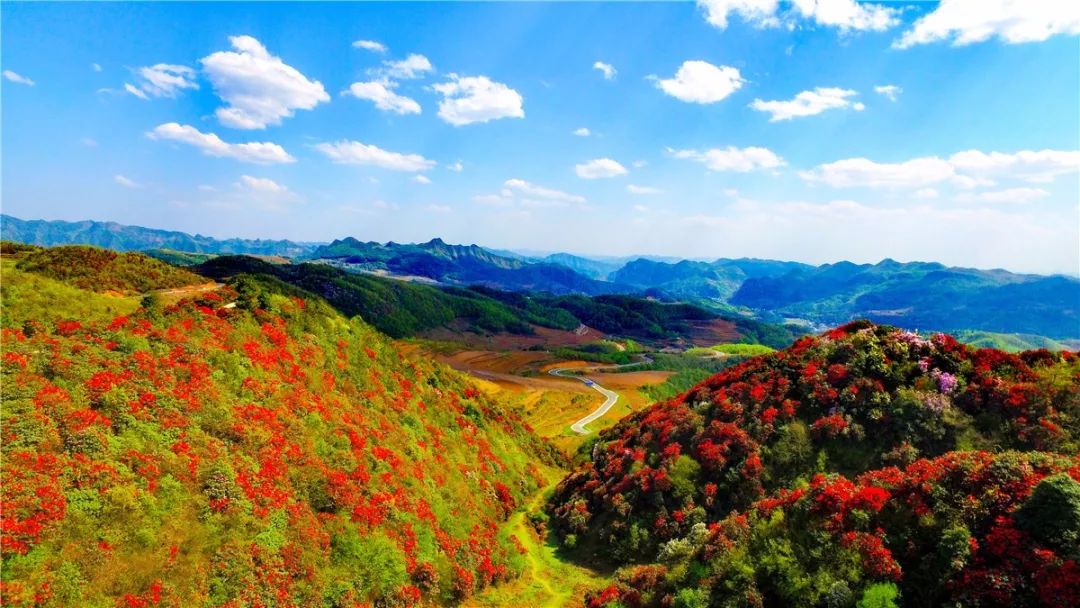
(610,396)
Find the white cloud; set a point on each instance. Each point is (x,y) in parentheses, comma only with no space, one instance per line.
(759,13)
(472,99)
(261,184)
(134,90)
(808,103)
(741,160)
(965,22)
(606,69)
(212,145)
(848,14)
(18,78)
(355,153)
(1019,196)
(969,169)
(263,192)
(370,45)
(842,14)
(421,179)
(640,190)
(891,91)
(639,163)
(456,166)
(701,82)
(259,89)
(89,142)
(966,182)
(381,92)
(582,132)
(520,186)
(856,172)
(413,66)
(641,208)
(599,168)
(162,80)
(1028,165)
(437,208)
(95,66)
(926,193)
(125,182)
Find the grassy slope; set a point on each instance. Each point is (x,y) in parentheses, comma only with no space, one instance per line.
(549,580)
(1012,343)
(48,300)
(103,270)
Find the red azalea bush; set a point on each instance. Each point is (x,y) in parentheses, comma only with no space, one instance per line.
(857,398)
(267,453)
(966,528)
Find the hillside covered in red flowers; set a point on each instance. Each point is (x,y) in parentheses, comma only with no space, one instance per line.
(250,447)
(866,465)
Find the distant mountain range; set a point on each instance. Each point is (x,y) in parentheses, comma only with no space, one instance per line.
(713,282)
(402,309)
(914,295)
(921,295)
(119,237)
(461,265)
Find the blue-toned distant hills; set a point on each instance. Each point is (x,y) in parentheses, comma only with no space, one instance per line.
(119,237)
(916,295)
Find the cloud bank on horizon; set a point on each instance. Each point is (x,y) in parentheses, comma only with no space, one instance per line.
(813,130)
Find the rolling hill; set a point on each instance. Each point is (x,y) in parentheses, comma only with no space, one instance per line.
(836,467)
(101,269)
(248,447)
(260,443)
(402,309)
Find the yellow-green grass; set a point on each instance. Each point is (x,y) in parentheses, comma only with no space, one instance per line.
(30,295)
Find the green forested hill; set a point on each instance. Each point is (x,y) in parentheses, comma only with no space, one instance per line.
(403,309)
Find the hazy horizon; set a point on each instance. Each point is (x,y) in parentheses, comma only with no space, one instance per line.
(527,252)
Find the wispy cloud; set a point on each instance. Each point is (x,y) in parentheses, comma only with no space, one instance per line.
(348,152)
(18,78)
(606,69)
(808,103)
(212,145)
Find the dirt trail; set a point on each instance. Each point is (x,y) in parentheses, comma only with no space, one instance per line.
(188,290)
(548,581)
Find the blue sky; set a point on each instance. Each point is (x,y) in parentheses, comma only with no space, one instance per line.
(813,131)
